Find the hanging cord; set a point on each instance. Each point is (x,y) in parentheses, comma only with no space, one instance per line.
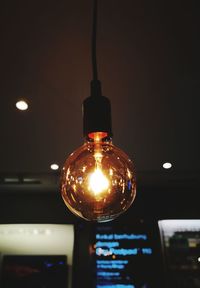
(95,83)
(94,36)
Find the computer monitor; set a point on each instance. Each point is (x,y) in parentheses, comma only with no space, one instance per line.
(181,252)
(125,255)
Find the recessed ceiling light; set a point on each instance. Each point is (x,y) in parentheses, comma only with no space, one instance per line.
(54,166)
(22,105)
(167,165)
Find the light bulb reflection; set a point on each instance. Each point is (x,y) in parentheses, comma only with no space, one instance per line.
(98,182)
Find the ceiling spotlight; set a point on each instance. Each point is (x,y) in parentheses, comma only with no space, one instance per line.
(21,105)
(167,165)
(54,166)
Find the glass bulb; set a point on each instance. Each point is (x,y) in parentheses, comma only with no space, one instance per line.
(98,181)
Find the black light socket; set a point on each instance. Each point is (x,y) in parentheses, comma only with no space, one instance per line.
(96,112)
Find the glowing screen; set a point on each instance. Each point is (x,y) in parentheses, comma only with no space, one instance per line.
(181,247)
(124,257)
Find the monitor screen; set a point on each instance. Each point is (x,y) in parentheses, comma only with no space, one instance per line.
(124,256)
(20,242)
(181,251)
(31,271)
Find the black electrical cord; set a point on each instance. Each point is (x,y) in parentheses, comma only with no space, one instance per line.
(95,83)
(94,36)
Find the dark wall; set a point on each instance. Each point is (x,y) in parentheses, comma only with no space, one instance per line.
(48,206)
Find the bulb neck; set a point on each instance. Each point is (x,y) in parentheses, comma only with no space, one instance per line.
(98,137)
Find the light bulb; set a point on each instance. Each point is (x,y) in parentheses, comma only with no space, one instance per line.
(98,180)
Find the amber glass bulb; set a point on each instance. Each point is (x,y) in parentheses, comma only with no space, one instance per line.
(98,181)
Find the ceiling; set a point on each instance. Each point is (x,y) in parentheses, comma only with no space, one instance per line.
(148,62)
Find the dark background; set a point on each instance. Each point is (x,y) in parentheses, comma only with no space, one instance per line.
(148,62)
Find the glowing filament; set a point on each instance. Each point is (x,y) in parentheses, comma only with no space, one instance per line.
(98,182)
